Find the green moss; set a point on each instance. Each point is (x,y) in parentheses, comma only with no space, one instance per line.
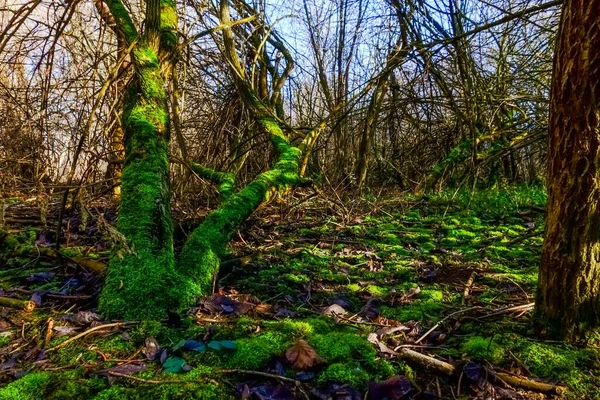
(376,290)
(53,386)
(415,311)
(431,294)
(480,348)
(5,338)
(29,387)
(225,180)
(350,373)
(256,352)
(354,287)
(200,257)
(338,347)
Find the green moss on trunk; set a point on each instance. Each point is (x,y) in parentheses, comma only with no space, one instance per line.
(201,254)
(137,275)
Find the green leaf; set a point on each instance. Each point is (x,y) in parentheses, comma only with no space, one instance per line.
(214,344)
(194,345)
(179,345)
(228,345)
(174,365)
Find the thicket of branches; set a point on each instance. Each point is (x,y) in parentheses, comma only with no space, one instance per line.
(413,93)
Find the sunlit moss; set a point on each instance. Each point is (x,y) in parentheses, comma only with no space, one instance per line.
(256,352)
(480,348)
(350,373)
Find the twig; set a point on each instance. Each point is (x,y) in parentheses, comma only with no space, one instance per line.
(522,307)
(91,330)
(48,332)
(468,287)
(258,373)
(522,238)
(444,320)
(159,382)
(527,384)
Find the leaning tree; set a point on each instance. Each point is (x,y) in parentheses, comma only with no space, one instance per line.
(145,277)
(568,300)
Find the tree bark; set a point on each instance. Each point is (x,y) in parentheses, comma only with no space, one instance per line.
(568,300)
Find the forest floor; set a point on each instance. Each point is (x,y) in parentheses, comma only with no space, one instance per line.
(394,297)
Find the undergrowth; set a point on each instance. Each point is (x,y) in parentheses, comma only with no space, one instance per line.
(405,263)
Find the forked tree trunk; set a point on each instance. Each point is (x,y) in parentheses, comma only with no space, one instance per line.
(568,300)
(143,281)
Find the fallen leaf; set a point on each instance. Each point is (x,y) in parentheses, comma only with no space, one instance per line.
(151,348)
(371,308)
(246,392)
(222,304)
(85,317)
(37,298)
(342,301)
(268,392)
(337,392)
(395,388)
(302,356)
(194,345)
(179,345)
(228,345)
(174,365)
(373,338)
(163,354)
(65,330)
(123,369)
(305,376)
(407,296)
(41,276)
(388,330)
(215,345)
(476,373)
(334,310)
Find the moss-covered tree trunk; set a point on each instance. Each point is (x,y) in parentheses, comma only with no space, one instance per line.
(568,300)
(141,281)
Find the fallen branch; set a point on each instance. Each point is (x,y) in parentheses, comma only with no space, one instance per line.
(91,330)
(528,384)
(522,307)
(427,361)
(25,305)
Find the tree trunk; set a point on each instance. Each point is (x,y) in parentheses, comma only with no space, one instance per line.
(141,281)
(568,301)
(137,274)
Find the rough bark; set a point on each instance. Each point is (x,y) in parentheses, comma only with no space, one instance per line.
(568,301)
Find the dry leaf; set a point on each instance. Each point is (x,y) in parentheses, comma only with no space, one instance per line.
(334,309)
(302,355)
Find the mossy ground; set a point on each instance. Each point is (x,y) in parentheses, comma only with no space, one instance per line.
(306,259)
